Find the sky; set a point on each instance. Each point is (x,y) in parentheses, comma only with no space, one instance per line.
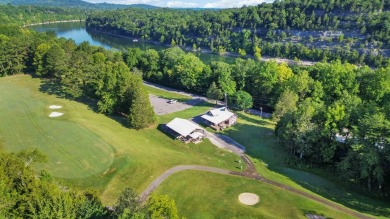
(188,3)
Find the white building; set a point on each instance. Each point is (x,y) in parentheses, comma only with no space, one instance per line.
(219,118)
(185,130)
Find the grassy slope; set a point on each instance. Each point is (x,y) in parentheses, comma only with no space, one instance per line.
(257,135)
(139,156)
(167,94)
(73,150)
(197,196)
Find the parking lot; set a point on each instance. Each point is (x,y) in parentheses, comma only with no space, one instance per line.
(162,107)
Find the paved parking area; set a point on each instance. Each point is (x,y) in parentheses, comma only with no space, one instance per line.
(162,107)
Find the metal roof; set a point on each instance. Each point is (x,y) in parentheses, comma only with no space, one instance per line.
(183,126)
(217,116)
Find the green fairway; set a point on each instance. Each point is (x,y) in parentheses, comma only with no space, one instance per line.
(73,150)
(208,195)
(257,135)
(120,157)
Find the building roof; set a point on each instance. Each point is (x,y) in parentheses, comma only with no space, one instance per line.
(183,126)
(196,135)
(217,116)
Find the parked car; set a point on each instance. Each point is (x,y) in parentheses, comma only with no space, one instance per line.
(172,101)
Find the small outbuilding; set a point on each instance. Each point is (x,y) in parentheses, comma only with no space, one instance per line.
(185,130)
(219,118)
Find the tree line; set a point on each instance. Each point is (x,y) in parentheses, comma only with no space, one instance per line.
(262,29)
(25,193)
(79,71)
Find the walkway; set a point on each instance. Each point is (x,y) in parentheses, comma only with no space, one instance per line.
(223,141)
(251,173)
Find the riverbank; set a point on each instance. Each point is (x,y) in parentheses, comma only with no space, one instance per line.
(52,22)
(207,51)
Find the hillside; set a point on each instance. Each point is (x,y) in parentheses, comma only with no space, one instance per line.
(354,31)
(74,4)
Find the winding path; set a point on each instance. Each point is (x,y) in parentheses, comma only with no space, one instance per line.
(251,173)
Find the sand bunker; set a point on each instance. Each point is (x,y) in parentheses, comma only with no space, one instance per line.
(248,198)
(55,114)
(55,107)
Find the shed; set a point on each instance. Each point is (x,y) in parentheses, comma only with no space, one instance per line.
(185,130)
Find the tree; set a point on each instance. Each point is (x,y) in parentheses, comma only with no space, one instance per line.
(55,61)
(287,103)
(40,59)
(132,57)
(141,113)
(243,100)
(222,71)
(161,206)
(127,203)
(214,92)
(241,52)
(32,156)
(257,52)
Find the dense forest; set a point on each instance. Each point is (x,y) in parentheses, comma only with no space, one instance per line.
(24,15)
(355,31)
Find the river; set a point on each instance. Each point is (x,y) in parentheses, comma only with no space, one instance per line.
(78,32)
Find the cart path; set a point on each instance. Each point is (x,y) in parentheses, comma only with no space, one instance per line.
(251,173)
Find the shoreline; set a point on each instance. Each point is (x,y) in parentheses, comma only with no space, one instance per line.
(207,51)
(52,22)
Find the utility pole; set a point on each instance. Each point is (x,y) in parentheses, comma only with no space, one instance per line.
(226,105)
(261,112)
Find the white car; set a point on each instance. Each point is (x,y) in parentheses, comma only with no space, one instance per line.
(172,101)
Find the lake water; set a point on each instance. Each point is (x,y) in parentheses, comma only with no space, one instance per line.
(78,32)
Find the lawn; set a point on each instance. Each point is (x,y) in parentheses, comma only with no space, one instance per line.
(90,150)
(197,196)
(73,150)
(257,135)
(166,94)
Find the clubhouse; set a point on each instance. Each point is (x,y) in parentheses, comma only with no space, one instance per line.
(219,119)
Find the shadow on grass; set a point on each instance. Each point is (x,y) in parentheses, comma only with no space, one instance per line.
(337,193)
(261,143)
(164,129)
(53,87)
(314,215)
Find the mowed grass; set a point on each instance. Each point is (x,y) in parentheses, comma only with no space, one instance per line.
(257,135)
(166,94)
(73,150)
(209,195)
(133,158)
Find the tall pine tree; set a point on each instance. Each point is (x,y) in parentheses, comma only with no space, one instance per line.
(141,113)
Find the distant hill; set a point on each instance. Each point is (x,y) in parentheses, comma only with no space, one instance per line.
(74,4)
